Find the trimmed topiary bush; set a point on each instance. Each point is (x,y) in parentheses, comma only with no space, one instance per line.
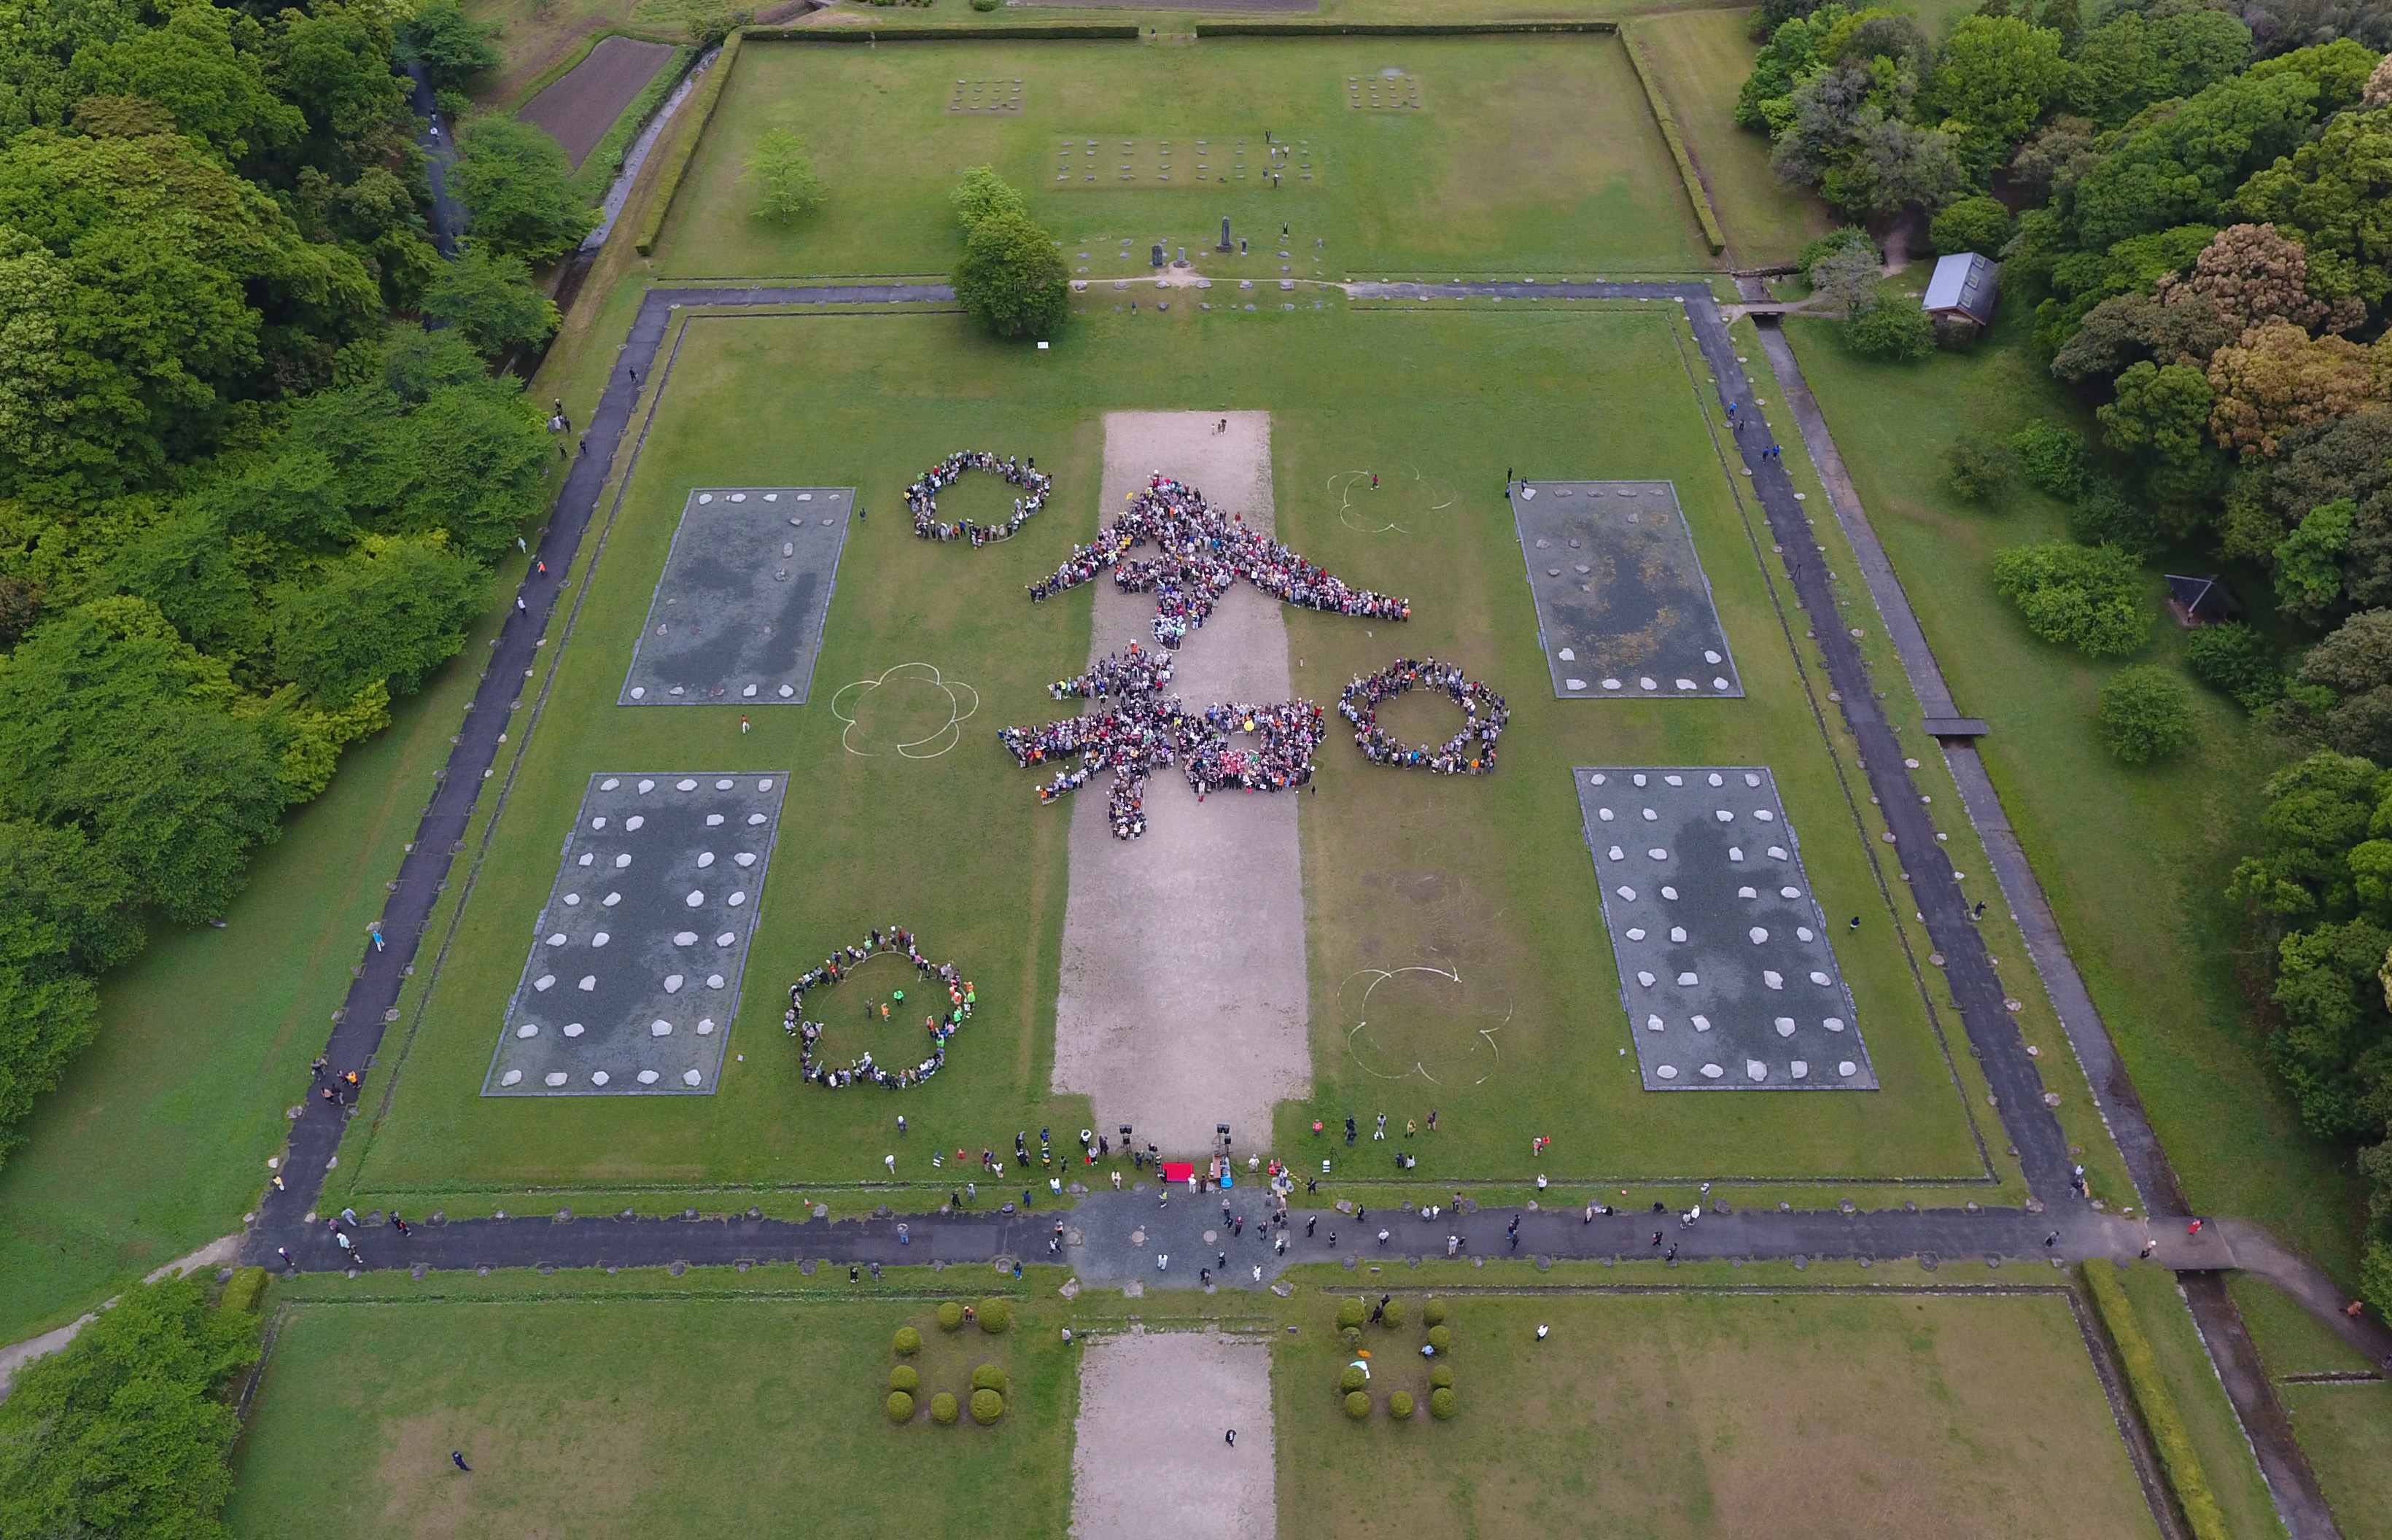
(1357,1405)
(995,1315)
(1433,1312)
(1441,1378)
(943,1409)
(908,1342)
(1441,1339)
(1353,1377)
(1395,1316)
(906,1378)
(1441,1403)
(951,1316)
(1351,1313)
(901,1406)
(986,1406)
(988,1376)
(1353,1336)
(1399,1405)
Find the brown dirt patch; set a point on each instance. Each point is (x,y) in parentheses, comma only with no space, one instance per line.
(1184,1000)
(579,109)
(1149,1459)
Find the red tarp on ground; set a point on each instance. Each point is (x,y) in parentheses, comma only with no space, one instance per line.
(1178,1171)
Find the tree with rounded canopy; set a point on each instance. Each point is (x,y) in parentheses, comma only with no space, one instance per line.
(1011,279)
(2159,413)
(392,610)
(2356,663)
(1978,224)
(2334,194)
(2280,379)
(2180,162)
(202,66)
(786,182)
(2086,597)
(1994,77)
(452,47)
(2146,714)
(515,183)
(492,300)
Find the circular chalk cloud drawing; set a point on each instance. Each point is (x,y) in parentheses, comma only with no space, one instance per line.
(1443,1024)
(913,709)
(1402,493)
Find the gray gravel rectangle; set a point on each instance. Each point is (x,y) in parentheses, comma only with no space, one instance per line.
(738,611)
(1725,969)
(1623,608)
(636,960)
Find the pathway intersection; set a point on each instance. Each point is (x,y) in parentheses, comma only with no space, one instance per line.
(1122,1240)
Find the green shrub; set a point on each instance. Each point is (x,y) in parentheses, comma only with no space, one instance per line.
(1440,1403)
(2051,457)
(1892,329)
(995,1315)
(1441,1378)
(986,1406)
(908,1342)
(1395,1315)
(242,1295)
(1851,237)
(951,1316)
(1351,1312)
(901,1406)
(988,1376)
(1980,469)
(2375,1276)
(1353,1336)
(1433,1312)
(986,5)
(2235,660)
(1980,224)
(2104,515)
(906,1378)
(2086,597)
(1399,1405)
(1357,1405)
(1441,1339)
(942,1409)
(1353,1377)
(2179,1459)
(2146,714)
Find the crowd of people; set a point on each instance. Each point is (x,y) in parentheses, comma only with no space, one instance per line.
(1202,552)
(1468,752)
(922,498)
(1143,731)
(846,959)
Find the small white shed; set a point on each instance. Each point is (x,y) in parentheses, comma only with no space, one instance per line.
(1962,289)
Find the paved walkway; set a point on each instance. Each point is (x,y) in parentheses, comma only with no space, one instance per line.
(439,159)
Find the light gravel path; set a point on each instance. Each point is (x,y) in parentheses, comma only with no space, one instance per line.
(1150,1459)
(1183,1002)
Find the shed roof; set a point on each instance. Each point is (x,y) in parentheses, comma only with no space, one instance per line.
(1964,283)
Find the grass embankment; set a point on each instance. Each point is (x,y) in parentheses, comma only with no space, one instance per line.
(2344,1426)
(2135,861)
(957,847)
(1527,157)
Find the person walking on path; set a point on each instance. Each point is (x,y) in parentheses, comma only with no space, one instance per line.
(319,1067)
(1231,1437)
(458,1457)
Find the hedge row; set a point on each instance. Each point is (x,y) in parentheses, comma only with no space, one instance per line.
(1110,30)
(1397,28)
(1715,236)
(2177,1457)
(684,145)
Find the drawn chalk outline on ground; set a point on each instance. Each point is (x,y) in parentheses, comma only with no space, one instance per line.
(952,732)
(1362,1023)
(1343,482)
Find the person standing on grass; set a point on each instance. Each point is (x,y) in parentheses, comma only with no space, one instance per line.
(457,1457)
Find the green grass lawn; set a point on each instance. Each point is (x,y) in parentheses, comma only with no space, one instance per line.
(654,1416)
(1531,156)
(1702,58)
(1709,1414)
(2346,1430)
(2135,861)
(959,848)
